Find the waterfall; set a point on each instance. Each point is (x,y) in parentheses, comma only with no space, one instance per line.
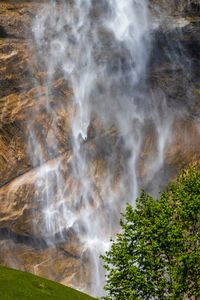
(101,48)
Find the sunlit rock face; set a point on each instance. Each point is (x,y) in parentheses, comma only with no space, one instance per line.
(66,169)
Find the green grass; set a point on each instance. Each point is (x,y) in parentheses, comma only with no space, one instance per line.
(17,285)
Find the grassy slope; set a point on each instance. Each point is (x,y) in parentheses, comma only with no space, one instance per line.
(17,285)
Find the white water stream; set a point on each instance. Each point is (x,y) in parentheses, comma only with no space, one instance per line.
(102,49)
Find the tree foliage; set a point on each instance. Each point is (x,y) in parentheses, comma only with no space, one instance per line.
(157,253)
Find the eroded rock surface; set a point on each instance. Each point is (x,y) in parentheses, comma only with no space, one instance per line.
(24,243)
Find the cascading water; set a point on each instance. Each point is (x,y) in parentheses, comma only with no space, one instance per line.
(101,48)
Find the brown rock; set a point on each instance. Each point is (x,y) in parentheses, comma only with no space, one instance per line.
(24,241)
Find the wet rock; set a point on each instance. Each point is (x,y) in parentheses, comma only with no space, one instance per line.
(24,84)
(176,8)
(51,263)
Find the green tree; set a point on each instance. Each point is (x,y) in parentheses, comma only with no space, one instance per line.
(157,253)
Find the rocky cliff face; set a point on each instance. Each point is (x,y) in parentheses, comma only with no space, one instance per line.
(21,107)
(173,73)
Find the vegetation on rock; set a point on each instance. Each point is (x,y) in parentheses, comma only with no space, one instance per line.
(198,91)
(157,254)
(19,285)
